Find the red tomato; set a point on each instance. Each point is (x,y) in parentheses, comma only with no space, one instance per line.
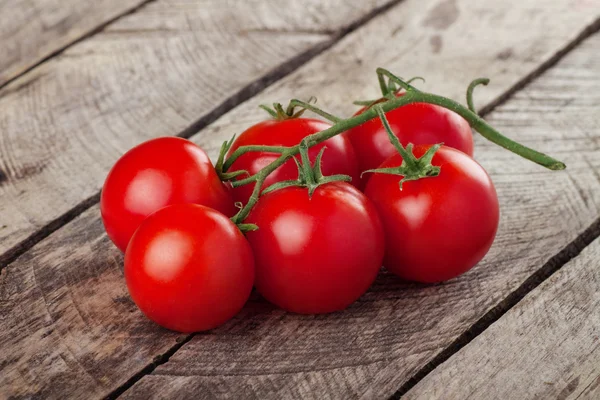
(153,175)
(189,268)
(339,157)
(315,255)
(416,123)
(436,228)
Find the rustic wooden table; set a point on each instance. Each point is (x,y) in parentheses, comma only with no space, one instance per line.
(81,82)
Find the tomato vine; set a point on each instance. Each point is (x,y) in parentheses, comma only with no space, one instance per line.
(419,169)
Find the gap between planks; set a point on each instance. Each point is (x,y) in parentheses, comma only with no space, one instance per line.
(245,93)
(81,38)
(262,83)
(556,262)
(250,91)
(553,265)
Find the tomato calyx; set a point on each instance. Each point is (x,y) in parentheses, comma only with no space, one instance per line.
(223,175)
(281,114)
(418,169)
(310,175)
(389,91)
(412,168)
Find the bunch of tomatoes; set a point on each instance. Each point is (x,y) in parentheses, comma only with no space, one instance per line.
(314,245)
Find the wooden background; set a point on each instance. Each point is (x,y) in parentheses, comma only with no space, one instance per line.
(82,82)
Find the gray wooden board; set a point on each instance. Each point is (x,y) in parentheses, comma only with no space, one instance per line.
(88,338)
(546,347)
(151,73)
(160,70)
(58,337)
(31,30)
(375,346)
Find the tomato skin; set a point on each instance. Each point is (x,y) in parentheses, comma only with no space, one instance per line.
(416,123)
(189,268)
(315,255)
(338,158)
(439,227)
(153,175)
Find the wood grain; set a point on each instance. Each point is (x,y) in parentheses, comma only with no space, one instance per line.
(31,30)
(546,347)
(60,339)
(85,345)
(153,73)
(371,349)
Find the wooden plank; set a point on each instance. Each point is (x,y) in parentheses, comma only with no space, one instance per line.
(343,353)
(157,72)
(373,348)
(170,64)
(72,344)
(32,30)
(546,347)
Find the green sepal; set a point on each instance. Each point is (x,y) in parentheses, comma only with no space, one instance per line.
(222,153)
(310,177)
(225,146)
(415,78)
(421,168)
(247,227)
(269,110)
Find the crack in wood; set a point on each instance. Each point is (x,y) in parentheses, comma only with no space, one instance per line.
(148,369)
(77,40)
(16,251)
(228,104)
(570,251)
(553,265)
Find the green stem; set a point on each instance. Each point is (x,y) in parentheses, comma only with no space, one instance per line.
(472,85)
(412,96)
(491,134)
(393,138)
(306,166)
(240,151)
(477,123)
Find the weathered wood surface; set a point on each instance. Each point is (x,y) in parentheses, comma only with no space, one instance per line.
(59,338)
(546,347)
(374,347)
(32,30)
(153,73)
(159,71)
(72,329)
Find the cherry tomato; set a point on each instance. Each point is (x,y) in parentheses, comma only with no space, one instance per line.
(155,174)
(339,157)
(319,254)
(416,123)
(439,227)
(189,268)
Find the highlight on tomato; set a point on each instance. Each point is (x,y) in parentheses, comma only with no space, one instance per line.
(319,243)
(189,268)
(339,158)
(153,175)
(313,242)
(415,123)
(437,227)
